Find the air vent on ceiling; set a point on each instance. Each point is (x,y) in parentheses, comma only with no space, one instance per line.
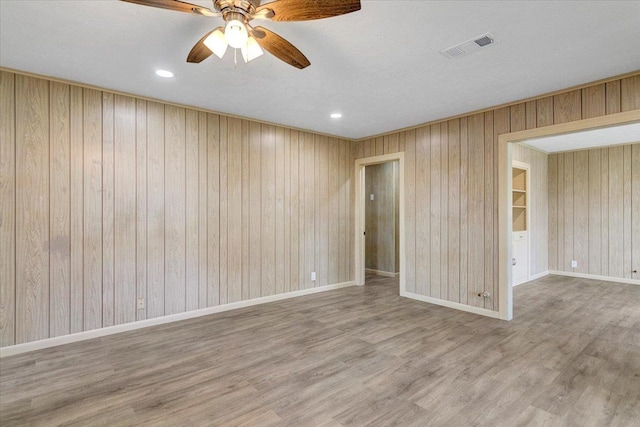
(470,46)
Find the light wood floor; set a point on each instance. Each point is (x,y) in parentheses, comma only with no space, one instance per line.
(355,356)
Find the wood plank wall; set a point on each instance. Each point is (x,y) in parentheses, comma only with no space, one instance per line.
(451,222)
(595,211)
(106,198)
(538,205)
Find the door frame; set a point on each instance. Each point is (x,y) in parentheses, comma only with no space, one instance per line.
(360,204)
(505,216)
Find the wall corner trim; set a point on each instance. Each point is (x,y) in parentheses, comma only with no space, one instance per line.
(595,277)
(126,327)
(454,305)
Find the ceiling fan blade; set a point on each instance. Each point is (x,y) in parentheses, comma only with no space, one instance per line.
(282,49)
(305,10)
(179,6)
(200,52)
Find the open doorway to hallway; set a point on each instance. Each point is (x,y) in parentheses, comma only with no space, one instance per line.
(382,220)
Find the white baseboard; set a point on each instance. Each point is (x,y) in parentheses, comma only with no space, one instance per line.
(96,333)
(381,273)
(454,305)
(533,277)
(595,277)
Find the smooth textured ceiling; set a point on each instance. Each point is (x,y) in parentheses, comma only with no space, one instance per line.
(603,137)
(380,67)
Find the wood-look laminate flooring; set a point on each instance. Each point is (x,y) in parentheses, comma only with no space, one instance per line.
(354,356)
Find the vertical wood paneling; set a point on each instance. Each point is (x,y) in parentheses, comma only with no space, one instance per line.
(616,212)
(192,199)
(124,205)
(593,101)
(255,209)
(423,209)
(435,209)
(246,208)
(7,209)
(553,212)
(268,214)
(141,205)
(184,209)
(464,208)
(568,196)
(295,211)
(567,107)
(453,217)
(155,210)
(518,117)
(174,219)
(76,215)
(604,209)
(321,210)
(544,111)
(279,252)
(343,231)
(92,136)
(32,209)
(59,212)
(203,206)
(612,93)
(234,206)
(630,93)
(309,169)
(410,180)
(213,210)
(581,210)
(476,209)
(224,212)
(595,219)
(444,203)
(108,250)
(597,211)
(627,229)
(333,208)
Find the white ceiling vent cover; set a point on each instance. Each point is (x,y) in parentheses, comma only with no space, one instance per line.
(470,46)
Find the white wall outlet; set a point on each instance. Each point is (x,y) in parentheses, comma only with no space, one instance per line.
(140,303)
(371,196)
(574,264)
(313,276)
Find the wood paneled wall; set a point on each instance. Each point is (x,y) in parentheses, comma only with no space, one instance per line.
(451,222)
(594,211)
(107,198)
(381,217)
(538,205)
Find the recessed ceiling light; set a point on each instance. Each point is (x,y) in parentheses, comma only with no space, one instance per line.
(164,73)
(336,115)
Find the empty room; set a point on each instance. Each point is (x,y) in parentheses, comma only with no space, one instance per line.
(319,213)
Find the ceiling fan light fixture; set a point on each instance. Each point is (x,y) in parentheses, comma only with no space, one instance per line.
(236,34)
(251,50)
(216,43)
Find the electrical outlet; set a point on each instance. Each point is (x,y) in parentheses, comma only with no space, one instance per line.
(140,303)
(372,197)
(574,264)
(313,276)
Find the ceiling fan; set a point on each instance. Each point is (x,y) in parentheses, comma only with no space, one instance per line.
(239,34)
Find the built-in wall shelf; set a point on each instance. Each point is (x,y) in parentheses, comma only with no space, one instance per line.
(520,201)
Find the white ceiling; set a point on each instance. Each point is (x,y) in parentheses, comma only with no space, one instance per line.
(603,137)
(380,67)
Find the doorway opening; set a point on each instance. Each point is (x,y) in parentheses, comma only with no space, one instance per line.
(379,240)
(506,144)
